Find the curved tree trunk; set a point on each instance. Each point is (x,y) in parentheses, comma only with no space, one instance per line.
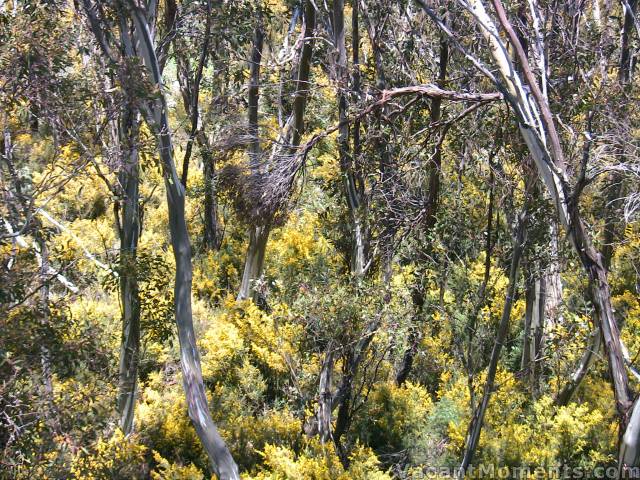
(156,116)
(535,128)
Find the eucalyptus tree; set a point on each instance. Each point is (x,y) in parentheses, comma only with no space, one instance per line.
(537,125)
(139,49)
(349,148)
(616,118)
(271,177)
(122,115)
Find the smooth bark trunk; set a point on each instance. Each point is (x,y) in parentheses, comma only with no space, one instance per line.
(285,147)
(129,291)
(156,115)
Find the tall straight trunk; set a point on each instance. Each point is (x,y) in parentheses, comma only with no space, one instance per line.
(535,294)
(258,234)
(436,115)
(286,146)
(358,185)
(357,260)
(254,96)
(156,115)
(553,282)
(129,291)
(475,426)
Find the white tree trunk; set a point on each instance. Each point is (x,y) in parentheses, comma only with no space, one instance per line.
(156,115)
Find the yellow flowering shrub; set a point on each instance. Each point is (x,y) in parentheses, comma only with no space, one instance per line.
(173,471)
(248,434)
(271,338)
(318,462)
(222,349)
(164,424)
(395,419)
(518,432)
(115,458)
